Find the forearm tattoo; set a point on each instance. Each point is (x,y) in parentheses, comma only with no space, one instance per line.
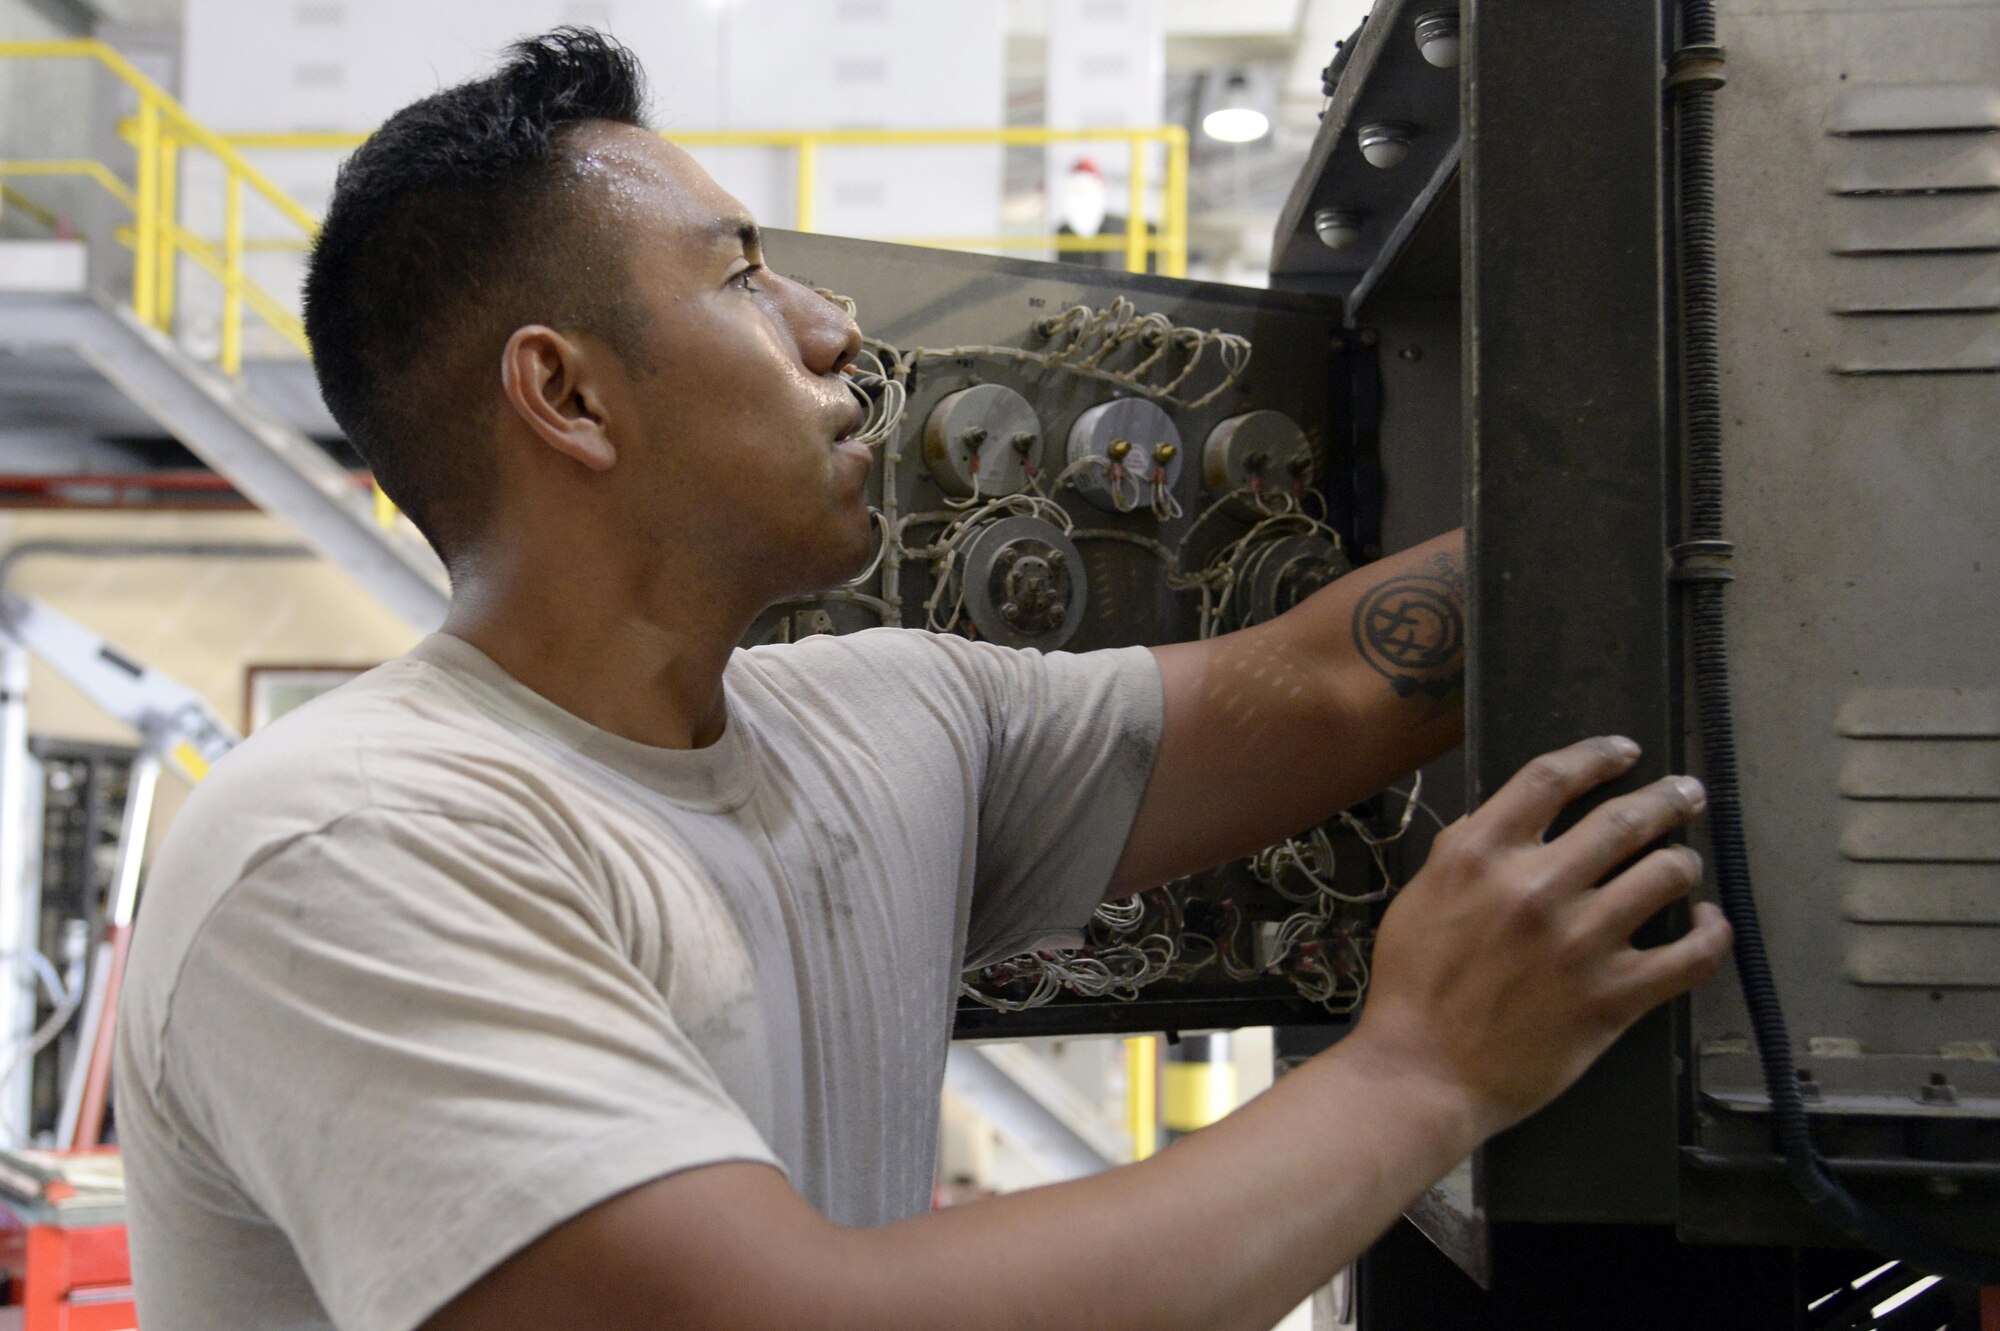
(1411,629)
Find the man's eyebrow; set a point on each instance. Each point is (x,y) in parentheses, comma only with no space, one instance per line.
(739,229)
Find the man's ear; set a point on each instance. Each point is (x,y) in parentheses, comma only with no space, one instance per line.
(550,383)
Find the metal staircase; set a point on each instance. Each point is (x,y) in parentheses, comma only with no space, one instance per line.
(205,405)
(222,422)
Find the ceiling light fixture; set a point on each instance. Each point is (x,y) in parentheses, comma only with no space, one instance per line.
(1235,120)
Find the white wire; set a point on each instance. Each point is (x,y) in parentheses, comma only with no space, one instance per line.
(67,997)
(877,517)
(1083,341)
(45,971)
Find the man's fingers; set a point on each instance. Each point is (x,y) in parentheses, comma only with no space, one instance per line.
(1618,909)
(1618,829)
(1671,969)
(1522,809)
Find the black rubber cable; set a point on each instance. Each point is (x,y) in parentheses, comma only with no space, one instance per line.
(1701,360)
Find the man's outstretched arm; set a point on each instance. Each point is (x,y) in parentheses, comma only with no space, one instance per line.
(1278,727)
(1500,974)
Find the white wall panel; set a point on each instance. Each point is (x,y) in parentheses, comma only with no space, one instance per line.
(1107,68)
(253,65)
(875,64)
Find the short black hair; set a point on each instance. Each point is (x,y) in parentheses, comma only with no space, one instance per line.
(458,221)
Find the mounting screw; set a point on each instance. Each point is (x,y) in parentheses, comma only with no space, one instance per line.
(1385,144)
(1119,448)
(1023,442)
(1437,37)
(1338,228)
(1165,453)
(973,437)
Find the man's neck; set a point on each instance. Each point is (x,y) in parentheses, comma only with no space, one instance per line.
(647,668)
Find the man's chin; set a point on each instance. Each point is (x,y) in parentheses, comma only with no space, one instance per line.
(864,552)
(834,565)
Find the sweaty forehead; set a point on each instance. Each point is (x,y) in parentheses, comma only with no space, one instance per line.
(648,185)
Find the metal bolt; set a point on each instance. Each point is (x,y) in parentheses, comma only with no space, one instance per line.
(973,437)
(1010,610)
(1384,144)
(1052,618)
(1256,462)
(1008,555)
(1338,228)
(1438,37)
(1119,448)
(1023,442)
(1165,453)
(1057,560)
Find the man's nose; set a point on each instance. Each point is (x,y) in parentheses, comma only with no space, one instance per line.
(829,340)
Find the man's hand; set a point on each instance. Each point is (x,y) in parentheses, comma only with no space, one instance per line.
(1500,972)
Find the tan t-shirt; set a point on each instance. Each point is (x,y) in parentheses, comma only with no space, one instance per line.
(430,966)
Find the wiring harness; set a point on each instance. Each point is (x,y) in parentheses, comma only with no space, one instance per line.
(1196,927)
(1183,931)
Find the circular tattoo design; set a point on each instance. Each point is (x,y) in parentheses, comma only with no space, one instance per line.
(1411,627)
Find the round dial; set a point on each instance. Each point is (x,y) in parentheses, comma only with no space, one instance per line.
(1264,448)
(1279,573)
(1137,442)
(981,441)
(1024,583)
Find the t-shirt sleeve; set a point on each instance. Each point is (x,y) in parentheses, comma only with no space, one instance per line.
(419,1045)
(1073,736)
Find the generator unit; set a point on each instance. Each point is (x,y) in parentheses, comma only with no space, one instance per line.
(1691,315)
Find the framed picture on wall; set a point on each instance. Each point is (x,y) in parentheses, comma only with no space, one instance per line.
(269,691)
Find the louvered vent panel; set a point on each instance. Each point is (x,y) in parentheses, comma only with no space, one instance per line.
(1920,836)
(1915,223)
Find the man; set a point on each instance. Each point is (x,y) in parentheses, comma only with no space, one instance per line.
(581,970)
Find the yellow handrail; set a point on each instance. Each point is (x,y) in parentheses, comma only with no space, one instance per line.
(13,198)
(1170,243)
(96,171)
(1113,243)
(162,131)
